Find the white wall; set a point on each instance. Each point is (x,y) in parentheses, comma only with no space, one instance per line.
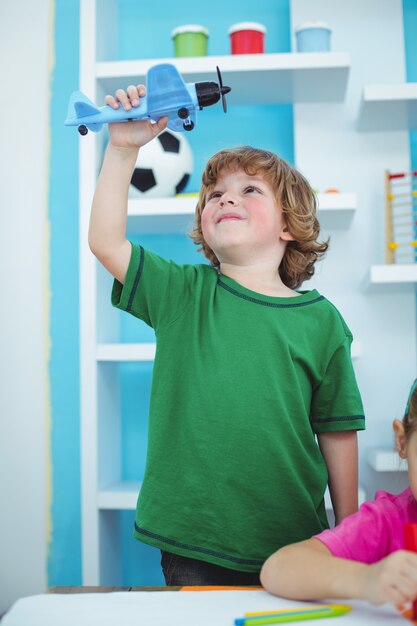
(25,42)
(332,153)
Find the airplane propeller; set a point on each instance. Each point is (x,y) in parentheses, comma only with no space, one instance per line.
(209,93)
(223,90)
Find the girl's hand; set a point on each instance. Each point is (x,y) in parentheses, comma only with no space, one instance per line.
(132,134)
(393,579)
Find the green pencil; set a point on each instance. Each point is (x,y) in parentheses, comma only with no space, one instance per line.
(292,615)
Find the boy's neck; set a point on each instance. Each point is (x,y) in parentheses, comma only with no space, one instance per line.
(260,278)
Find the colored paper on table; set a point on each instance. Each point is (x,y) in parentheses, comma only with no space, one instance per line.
(174,609)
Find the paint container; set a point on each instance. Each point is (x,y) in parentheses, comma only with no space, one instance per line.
(313,37)
(410,543)
(247,38)
(190,40)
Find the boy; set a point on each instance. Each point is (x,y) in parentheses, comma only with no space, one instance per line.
(247,370)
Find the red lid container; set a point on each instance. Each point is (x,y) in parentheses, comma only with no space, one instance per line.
(410,543)
(410,537)
(247,38)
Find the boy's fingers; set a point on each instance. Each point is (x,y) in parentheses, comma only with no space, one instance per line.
(141,90)
(130,97)
(161,123)
(133,94)
(123,98)
(158,126)
(110,100)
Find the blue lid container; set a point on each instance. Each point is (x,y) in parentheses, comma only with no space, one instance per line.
(313,37)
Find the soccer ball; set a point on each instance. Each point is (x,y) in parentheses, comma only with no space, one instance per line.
(163,167)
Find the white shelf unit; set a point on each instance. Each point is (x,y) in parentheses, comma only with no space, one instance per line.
(388,107)
(302,78)
(398,273)
(122,352)
(384,460)
(120,496)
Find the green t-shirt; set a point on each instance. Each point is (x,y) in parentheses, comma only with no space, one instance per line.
(241,384)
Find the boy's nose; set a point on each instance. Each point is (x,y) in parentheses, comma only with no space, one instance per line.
(227,198)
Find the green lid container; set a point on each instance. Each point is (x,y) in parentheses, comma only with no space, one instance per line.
(190,40)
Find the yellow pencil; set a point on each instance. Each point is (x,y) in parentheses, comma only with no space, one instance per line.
(342,607)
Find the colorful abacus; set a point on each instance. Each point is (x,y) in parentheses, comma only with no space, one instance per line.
(401,217)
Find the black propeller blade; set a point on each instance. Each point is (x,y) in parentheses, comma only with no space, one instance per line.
(223,90)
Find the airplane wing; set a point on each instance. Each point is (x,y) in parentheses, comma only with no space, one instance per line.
(166,90)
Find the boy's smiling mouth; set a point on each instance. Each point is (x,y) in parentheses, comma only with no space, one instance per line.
(228,216)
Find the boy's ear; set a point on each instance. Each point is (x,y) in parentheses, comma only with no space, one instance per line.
(286,235)
(400,440)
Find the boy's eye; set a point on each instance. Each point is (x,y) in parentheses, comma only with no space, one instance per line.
(250,189)
(214,194)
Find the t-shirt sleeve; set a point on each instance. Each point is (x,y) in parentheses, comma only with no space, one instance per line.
(336,402)
(363,536)
(155,290)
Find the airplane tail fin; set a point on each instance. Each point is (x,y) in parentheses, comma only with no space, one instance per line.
(80,106)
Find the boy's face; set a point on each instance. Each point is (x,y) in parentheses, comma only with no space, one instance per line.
(241,219)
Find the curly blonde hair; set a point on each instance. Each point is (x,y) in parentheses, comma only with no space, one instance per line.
(292,192)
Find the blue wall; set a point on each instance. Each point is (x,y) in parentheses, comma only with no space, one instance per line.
(141,34)
(64,559)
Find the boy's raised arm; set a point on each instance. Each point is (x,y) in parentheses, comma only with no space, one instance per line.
(107,232)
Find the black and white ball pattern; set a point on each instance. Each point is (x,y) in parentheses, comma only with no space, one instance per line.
(163,168)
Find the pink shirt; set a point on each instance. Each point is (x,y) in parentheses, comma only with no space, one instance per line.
(375,531)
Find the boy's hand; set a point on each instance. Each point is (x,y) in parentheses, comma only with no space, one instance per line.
(393,579)
(132,134)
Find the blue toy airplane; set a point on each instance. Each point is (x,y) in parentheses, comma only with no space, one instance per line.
(167,94)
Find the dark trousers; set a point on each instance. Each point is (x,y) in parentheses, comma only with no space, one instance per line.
(180,570)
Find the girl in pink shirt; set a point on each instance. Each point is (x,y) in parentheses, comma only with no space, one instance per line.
(363,557)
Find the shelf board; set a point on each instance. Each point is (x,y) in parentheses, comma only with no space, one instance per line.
(356,349)
(161,215)
(121,352)
(388,107)
(395,273)
(337,202)
(384,460)
(123,496)
(120,496)
(125,352)
(279,78)
(175,215)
